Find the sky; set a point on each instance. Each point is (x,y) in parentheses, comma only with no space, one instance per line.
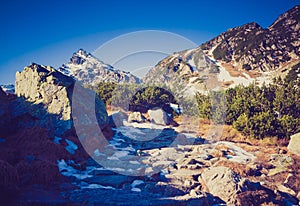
(48,32)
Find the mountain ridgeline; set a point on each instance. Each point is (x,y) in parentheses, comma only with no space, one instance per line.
(252,47)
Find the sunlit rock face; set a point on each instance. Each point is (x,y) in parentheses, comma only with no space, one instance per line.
(51,92)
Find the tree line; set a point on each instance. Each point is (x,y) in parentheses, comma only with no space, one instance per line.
(256,111)
(259,112)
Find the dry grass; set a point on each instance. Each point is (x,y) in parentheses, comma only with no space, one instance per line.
(242,169)
(233,71)
(238,72)
(30,157)
(8,175)
(254,198)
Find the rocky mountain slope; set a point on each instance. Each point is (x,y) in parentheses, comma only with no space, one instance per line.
(87,69)
(241,55)
(184,72)
(252,47)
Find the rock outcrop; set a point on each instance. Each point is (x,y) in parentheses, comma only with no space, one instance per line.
(44,84)
(52,93)
(224,183)
(294,144)
(136,117)
(159,116)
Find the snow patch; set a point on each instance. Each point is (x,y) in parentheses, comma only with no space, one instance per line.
(176,108)
(97,186)
(97,153)
(143,126)
(225,76)
(136,190)
(67,170)
(56,140)
(136,183)
(71,147)
(118,154)
(240,155)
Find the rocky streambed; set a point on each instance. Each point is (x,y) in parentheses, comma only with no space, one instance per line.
(144,164)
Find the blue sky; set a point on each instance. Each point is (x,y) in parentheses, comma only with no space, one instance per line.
(48,32)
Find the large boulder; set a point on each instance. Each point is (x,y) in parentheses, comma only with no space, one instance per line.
(116,119)
(136,117)
(50,93)
(41,84)
(224,183)
(159,116)
(294,144)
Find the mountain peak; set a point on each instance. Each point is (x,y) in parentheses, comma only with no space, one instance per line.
(251,25)
(82,52)
(88,69)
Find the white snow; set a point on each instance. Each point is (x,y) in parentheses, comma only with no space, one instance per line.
(118,154)
(225,76)
(267,77)
(143,125)
(130,132)
(136,183)
(134,162)
(240,155)
(176,108)
(71,147)
(136,190)
(97,153)
(68,170)
(97,186)
(56,140)
(115,169)
(245,80)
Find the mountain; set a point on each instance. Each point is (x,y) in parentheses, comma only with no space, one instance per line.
(184,72)
(87,69)
(241,55)
(251,47)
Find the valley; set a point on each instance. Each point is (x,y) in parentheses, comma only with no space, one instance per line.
(218,124)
